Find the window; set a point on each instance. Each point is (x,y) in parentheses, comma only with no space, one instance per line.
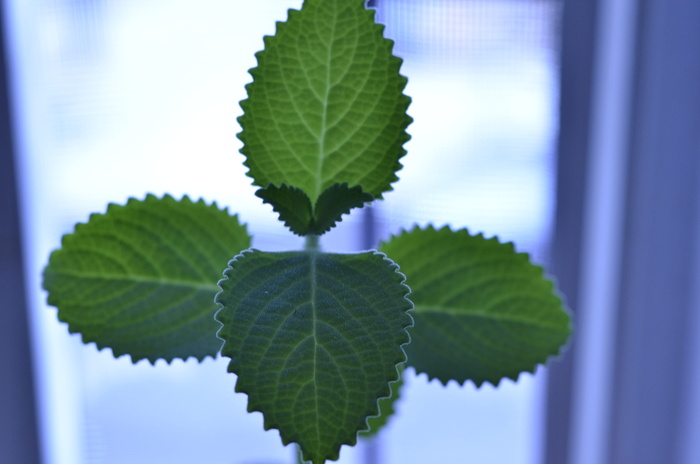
(121,98)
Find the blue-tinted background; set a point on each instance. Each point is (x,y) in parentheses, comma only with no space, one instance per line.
(122,98)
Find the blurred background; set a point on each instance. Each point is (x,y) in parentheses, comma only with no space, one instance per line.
(569,127)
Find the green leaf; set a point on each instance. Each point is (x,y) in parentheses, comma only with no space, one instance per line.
(482,311)
(141,279)
(386,409)
(326,104)
(294,206)
(314,339)
(335,201)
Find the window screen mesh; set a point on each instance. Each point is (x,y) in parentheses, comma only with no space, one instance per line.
(122,97)
(461,31)
(483,77)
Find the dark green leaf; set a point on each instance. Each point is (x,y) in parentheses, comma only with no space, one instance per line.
(335,201)
(295,210)
(141,279)
(314,339)
(482,311)
(386,409)
(292,205)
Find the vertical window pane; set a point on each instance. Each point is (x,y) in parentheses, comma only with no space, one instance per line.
(483,78)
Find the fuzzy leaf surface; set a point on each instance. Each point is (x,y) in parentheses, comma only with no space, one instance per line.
(386,409)
(141,278)
(326,105)
(295,210)
(336,200)
(314,339)
(482,311)
(292,205)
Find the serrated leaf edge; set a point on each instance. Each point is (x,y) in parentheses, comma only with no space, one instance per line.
(345,211)
(111,206)
(342,213)
(385,394)
(398,62)
(275,207)
(362,434)
(553,356)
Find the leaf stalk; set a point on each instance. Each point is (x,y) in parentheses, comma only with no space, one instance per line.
(312,243)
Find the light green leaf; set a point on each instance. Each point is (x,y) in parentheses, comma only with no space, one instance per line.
(141,279)
(295,210)
(314,339)
(482,311)
(326,104)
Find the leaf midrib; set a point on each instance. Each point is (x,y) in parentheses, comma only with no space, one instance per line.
(481,315)
(145,279)
(313,289)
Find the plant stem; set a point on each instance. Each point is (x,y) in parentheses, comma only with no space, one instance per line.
(312,243)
